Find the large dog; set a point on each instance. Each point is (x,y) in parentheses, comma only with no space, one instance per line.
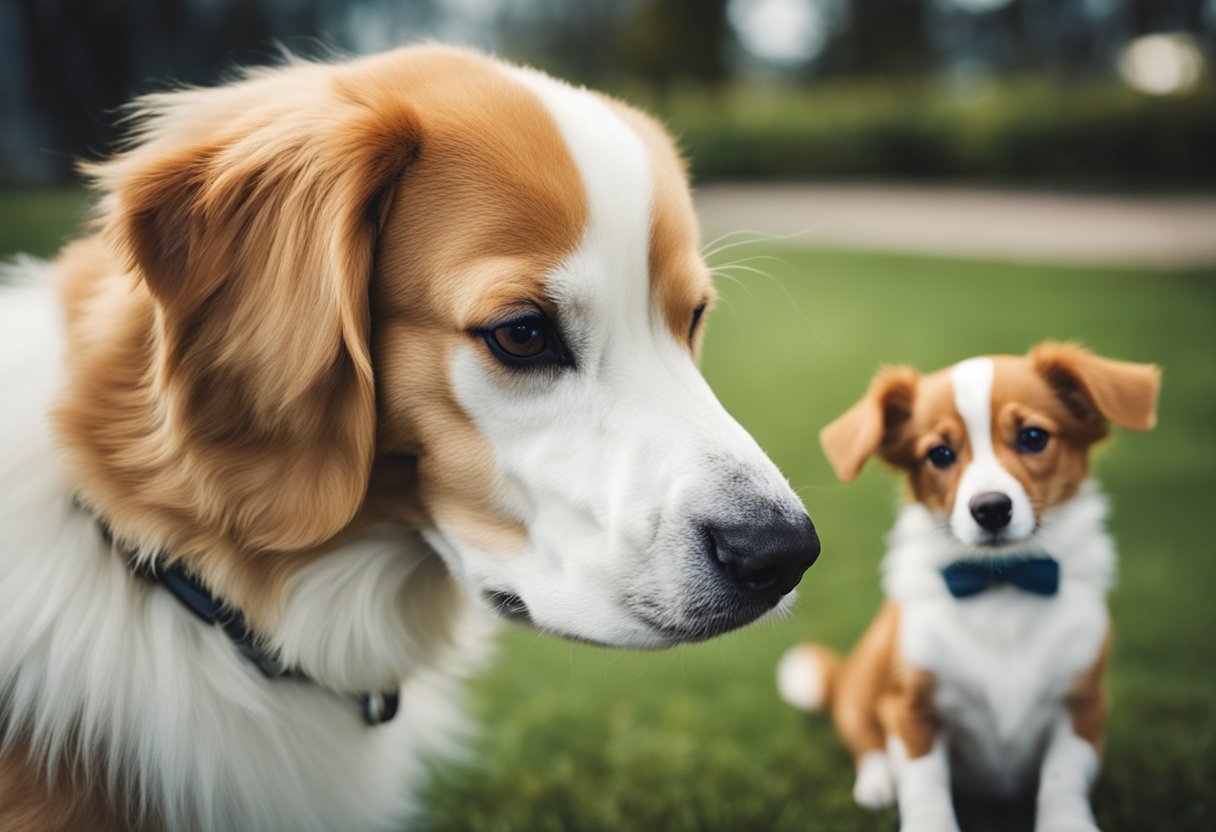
(358,352)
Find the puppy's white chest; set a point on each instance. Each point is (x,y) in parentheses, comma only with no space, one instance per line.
(1003,662)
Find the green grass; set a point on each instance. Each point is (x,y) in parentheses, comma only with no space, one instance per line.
(578,738)
(37,222)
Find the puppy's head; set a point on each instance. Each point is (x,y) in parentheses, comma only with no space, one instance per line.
(994,443)
(435,288)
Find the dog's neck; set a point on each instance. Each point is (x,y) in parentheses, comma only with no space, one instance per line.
(115,420)
(377,707)
(116,426)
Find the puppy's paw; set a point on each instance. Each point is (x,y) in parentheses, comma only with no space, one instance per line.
(1075,821)
(942,824)
(875,786)
(1064,812)
(928,818)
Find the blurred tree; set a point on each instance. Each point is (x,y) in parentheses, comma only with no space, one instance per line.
(65,65)
(606,42)
(674,40)
(882,37)
(1066,39)
(1069,38)
(79,60)
(580,41)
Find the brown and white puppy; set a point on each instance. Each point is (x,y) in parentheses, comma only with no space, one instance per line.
(983,669)
(362,350)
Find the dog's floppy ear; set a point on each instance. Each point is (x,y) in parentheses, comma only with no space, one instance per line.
(871,424)
(251,212)
(1096,389)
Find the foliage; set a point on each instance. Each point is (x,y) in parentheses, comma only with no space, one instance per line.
(1028,132)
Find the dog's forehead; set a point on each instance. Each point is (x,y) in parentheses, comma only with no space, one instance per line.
(1015,381)
(492,200)
(641,231)
(526,186)
(935,400)
(679,277)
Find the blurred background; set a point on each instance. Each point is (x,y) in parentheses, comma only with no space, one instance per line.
(879,181)
(1077,92)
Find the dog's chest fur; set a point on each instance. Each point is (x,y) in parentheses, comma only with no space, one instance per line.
(1002,661)
(115,675)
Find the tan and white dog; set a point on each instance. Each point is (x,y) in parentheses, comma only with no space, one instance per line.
(361,353)
(983,669)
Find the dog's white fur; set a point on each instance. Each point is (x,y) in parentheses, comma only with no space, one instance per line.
(972,382)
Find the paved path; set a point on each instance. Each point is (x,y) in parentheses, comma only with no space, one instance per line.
(1163,231)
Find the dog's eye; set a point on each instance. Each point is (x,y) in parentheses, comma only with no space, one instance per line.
(523,338)
(1032,440)
(696,321)
(940,456)
(526,341)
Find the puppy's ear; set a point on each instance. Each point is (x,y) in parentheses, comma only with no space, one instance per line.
(872,424)
(1096,389)
(252,212)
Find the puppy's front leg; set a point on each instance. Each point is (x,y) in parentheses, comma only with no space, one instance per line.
(1070,764)
(918,756)
(1069,768)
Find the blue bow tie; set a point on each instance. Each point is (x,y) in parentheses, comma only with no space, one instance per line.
(1039,576)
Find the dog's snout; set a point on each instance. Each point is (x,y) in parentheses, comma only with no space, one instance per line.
(992,510)
(767,557)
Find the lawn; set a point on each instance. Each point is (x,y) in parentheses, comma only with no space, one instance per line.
(573,737)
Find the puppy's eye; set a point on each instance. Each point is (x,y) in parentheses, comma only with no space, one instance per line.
(1032,440)
(524,342)
(940,456)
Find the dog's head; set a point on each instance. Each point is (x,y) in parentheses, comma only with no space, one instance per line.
(992,444)
(435,288)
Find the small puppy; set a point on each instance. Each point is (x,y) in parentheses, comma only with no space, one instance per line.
(983,669)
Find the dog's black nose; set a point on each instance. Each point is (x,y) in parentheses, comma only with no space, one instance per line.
(992,510)
(765,557)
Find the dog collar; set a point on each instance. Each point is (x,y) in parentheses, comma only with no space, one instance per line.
(1038,575)
(377,708)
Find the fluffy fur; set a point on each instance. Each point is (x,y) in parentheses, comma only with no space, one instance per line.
(1000,693)
(112,690)
(274,364)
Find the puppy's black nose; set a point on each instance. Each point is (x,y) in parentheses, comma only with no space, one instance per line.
(767,556)
(992,510)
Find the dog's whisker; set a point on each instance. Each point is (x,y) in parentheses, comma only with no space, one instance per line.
(720,244)
(737,280)
(762,237)
(754,258)
(708,248)
(789,296)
